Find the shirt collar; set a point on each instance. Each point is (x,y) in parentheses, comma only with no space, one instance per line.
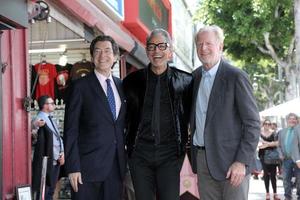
(212,71)
(101,77)
(45,114)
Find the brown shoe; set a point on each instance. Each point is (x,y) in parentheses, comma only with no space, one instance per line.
(267,196)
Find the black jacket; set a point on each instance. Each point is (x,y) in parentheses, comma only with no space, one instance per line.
(93,139)
(44,147)
(179,85)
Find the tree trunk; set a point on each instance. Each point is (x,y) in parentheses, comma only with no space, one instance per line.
(297,45)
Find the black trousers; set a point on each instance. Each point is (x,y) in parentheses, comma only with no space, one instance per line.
(49,191)
(270,174)
(155,171)
(109,189)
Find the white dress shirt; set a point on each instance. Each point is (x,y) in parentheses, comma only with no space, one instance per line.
(102,80)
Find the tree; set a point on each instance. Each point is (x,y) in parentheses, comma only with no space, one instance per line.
(256,31)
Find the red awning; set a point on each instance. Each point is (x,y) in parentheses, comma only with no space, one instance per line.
(89,14)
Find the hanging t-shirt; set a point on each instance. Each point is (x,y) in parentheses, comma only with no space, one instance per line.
(46,79)
(62,80)
(81,69)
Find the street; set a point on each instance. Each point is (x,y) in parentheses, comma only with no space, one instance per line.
(257,190)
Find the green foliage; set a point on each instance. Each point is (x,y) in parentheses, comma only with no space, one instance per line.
(244,23)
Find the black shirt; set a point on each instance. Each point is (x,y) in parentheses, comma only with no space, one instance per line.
(157,122)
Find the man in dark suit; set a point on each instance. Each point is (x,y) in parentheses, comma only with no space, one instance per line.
(225,123)
(94,128)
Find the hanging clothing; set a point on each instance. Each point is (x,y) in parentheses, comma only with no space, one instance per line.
(81,69)
(46,73)
(62,80)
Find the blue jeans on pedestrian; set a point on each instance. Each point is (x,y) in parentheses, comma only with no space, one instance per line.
(290,169)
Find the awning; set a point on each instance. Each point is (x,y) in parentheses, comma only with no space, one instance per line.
(283,109)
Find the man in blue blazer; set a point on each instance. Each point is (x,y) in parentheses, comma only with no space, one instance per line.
(94,128)
(225,123)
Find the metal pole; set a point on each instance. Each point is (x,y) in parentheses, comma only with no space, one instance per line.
(43,178)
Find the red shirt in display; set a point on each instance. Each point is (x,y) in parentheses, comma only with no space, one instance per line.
(46,80)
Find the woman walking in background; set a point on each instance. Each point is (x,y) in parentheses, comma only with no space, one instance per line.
(268,142)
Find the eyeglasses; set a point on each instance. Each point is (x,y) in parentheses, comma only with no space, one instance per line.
(52,103)
(161,46)
(267,124)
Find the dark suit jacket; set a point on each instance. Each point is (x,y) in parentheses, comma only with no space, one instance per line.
(232,124)
(43,147)
(93,139)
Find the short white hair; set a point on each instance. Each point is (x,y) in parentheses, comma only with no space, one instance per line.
(212,28)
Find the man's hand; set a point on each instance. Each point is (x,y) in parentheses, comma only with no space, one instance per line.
(236,173)
(75,178)
(39,123)
(61,159)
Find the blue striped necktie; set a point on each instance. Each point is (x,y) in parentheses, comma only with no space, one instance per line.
(111,98)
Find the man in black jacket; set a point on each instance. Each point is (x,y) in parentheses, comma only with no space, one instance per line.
(50,144)
(157,117)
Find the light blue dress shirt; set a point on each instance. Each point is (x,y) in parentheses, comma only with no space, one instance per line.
(57,145)
(206,84)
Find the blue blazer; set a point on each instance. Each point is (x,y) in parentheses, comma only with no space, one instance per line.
(232,125)
(92,138)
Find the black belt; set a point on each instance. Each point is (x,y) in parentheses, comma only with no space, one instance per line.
(200,147)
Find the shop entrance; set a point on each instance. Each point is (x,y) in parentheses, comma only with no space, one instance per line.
(57,56)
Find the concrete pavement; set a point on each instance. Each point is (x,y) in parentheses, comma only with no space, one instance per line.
(257,190)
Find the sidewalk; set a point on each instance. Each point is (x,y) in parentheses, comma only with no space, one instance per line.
(257,190)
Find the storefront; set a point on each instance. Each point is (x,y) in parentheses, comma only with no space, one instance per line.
(15,142)
(66,34)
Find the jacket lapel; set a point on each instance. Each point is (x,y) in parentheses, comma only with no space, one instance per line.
(99,91)
(119,87)
(197,78)
(217,93)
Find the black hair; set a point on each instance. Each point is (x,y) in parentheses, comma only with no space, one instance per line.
(42,101)
(103,38)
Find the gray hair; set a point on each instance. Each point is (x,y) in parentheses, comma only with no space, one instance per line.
(212,28)
(162,32)
(292,115)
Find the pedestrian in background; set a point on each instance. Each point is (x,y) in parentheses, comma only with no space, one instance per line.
(50,144)
(268,141)
(225,122)
(289,151)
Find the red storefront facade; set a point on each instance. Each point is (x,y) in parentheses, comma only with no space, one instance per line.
(145,15)
(15,142)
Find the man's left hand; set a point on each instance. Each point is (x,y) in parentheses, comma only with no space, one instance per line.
(236,173)
(61,159)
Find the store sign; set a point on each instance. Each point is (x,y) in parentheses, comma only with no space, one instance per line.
(117,6)
(153,14)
